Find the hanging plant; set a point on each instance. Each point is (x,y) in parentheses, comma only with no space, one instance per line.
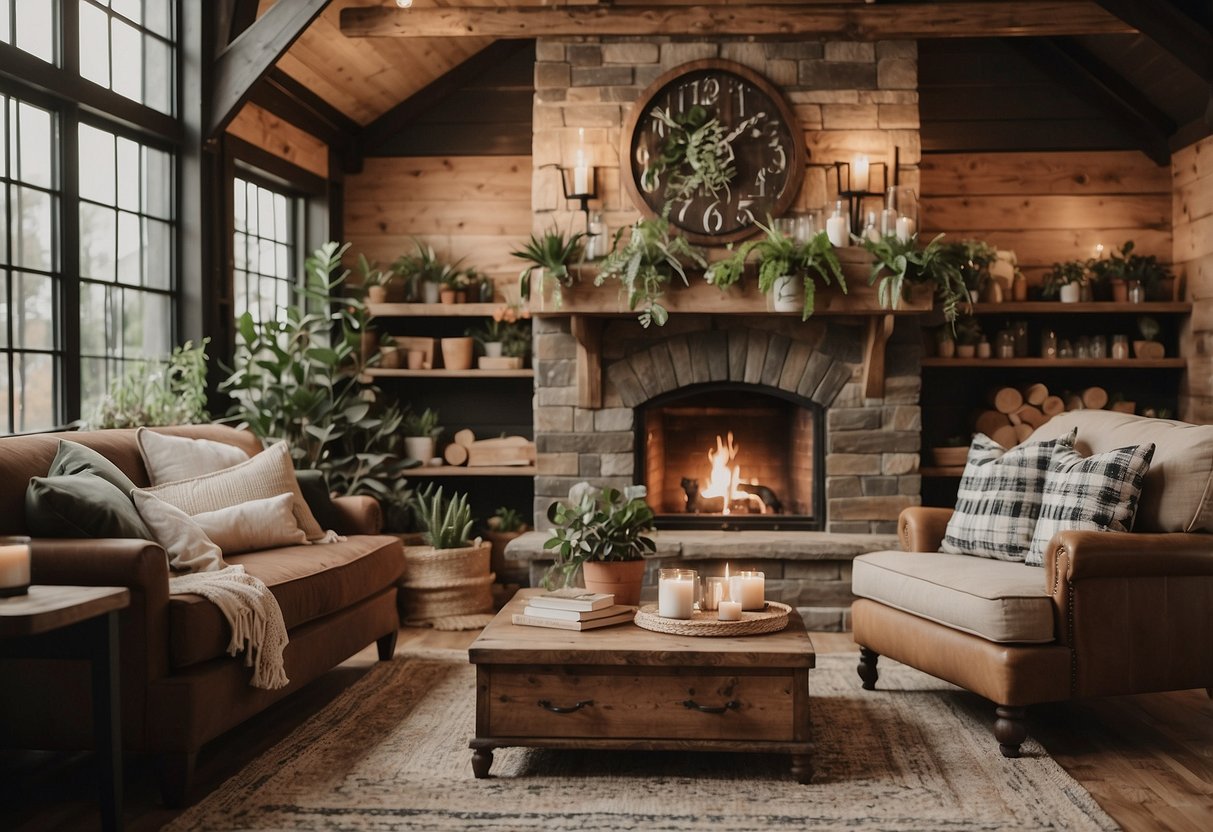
(646,264)
(697,155)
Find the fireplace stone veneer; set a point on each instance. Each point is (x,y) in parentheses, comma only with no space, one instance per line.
(871,445)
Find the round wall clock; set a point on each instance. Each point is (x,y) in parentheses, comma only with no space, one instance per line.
(716,145)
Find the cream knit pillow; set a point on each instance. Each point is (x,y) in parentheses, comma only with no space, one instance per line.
(172,458)
(252,526)
(268,474)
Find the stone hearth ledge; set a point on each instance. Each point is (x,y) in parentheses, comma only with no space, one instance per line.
(747,545)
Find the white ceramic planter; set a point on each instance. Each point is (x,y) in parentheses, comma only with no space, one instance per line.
(787,294)
(1071,292)
(429,291)
(419,447)
(492,349)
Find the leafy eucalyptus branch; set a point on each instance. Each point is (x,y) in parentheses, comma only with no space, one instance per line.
(646,264)
(696,154)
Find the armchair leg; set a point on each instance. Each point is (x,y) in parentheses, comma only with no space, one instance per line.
(867,668)
(176,776)
(1010,729)
(387,646)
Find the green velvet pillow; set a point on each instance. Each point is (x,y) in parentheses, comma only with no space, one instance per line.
(316,494)
(74,458)
(81,505)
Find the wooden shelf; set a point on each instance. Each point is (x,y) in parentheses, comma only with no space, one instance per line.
(1061,363)
(1051,307)
(380,372)
(942,470)
(432,310)
(464,471)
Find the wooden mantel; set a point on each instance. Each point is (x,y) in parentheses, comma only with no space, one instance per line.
(588,306)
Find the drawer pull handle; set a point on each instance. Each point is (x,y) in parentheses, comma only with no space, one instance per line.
(692,705)
(564,709)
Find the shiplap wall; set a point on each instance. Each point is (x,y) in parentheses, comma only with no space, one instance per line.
(1050,206)
(472,207)
(1192,206)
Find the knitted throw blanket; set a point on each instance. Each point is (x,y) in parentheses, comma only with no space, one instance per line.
(253,614)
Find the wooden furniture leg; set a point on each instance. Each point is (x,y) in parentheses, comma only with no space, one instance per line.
(867,668)
(176,777)
(482,761)
(107,718)
(1010,729)
(387,646)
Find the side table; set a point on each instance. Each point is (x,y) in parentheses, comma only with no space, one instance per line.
(77,622)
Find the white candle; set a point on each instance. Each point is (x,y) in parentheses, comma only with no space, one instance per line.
(581,170)
(749,588)
(14,566)
(862,168)
(729,611)
(838,230)
(905,229)
(676,594)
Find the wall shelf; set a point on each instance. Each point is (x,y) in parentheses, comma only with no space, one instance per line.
(464,471)
(942,470)
(380,372)
(1060,363)
(1050,307)
(432,310)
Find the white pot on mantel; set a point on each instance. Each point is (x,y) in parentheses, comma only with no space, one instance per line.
(1071,293)
(787,295)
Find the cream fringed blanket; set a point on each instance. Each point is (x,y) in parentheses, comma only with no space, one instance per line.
(253,613)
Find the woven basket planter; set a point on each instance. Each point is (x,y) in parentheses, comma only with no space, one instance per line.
(439,583)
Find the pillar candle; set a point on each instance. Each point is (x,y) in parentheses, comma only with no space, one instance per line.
(905,229)
(749,588)
(675,597)
(862,169)
(838,229)
(729,611)
(14,568)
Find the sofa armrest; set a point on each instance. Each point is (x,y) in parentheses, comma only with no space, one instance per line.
(921,529)
(359,514)
(1074,555)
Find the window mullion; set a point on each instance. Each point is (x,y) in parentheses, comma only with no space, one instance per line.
(69,246)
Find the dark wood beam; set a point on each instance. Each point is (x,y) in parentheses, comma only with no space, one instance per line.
(251,55)
(285,97)
(375,134)
(866,22)
(1188,40)
(1076,69)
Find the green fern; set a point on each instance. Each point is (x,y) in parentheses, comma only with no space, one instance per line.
(646,264)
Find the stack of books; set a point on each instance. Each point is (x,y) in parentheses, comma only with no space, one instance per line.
(573,609)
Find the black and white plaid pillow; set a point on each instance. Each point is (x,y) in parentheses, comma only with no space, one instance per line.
(1097,493)
(999,498)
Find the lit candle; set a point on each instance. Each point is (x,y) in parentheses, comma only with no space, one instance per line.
(862,168)
(14,566)
(838,227)
(581,170)
(729,611)
(749,588)
(905,229)
(676,593)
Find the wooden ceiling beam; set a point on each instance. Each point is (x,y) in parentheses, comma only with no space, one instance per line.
(379,131)
(1085,75)
(243,63)
(1188,40)
(867,22)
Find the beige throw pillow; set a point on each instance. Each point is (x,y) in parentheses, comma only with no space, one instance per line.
(188,547)
(268,474)
(257,524)
(173,458)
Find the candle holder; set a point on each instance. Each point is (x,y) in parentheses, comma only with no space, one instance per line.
(715,590)
(572,194)
(853,187)
(14,566)
(676,591)
(748,587)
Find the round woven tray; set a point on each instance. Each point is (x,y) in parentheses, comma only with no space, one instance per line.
(771,620)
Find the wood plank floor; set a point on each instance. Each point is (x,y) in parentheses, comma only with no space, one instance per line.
(1148,760)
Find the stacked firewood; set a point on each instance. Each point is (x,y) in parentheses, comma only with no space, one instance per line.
(1014,413)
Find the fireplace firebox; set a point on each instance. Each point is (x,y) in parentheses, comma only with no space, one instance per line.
(732,456)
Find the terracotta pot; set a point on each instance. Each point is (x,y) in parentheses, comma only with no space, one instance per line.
(457,353)
(369,344)
(620,578)
(415,359)
(1120,291)
(446,296)
(966,350)
(377,294)
(390,358)
(461,296)
(946,348)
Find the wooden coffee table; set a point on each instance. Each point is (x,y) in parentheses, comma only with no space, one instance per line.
(623,687)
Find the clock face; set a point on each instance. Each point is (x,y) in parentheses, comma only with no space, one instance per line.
(746,161)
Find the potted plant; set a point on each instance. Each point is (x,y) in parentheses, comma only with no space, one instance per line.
(1108,276)
(1148,347)
(419,272)
(1065,281)
(448,286)
(458,353)
(788,270)
(900,264)
(450,578)
(420,434)
(509,327)
(505,525)
(375,280)
(968,336)
(1156,278)
(646,264)
(601,533)
(154,393)
(549,256)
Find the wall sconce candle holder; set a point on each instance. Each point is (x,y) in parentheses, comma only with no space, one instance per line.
(587,179)
(854,184)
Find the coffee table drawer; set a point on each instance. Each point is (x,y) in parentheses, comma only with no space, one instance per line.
(630,704)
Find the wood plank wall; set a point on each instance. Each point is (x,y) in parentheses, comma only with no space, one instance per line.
(1049,206)
(272,134)
(472,207)
(1192,169)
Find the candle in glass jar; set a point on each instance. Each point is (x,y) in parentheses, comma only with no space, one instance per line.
(905,229)
(729,611)
(715,590)
(14,566)
(838,227)
(676,593)
(749,588)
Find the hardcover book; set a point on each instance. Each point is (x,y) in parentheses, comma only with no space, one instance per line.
(572,598)
(576,615)
(562,624)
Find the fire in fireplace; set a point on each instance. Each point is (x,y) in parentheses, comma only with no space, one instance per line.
(732,456)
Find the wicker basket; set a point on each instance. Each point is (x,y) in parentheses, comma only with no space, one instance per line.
(439,583)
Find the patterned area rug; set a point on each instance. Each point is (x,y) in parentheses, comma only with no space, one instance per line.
(391,753)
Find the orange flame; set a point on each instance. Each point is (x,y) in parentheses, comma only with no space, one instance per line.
(725,475)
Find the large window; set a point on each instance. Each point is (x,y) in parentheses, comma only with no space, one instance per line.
(88,260)
(264,248)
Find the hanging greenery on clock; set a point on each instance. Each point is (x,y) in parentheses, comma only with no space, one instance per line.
(715,147)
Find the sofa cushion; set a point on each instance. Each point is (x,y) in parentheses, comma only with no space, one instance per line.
(315,490)
(1097,493)
(184,541)
(999,498)
(73,458)
(309,582)
(996,600)
(170,458)
(81,505)
(1177,495)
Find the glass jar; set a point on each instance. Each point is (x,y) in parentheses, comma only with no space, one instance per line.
(1099,346)
(1005,344)
(1065,349)
(1019,329)
(983,349)
(1120,347)
(1137,292)
(1048,344)
(838,226)
(676,593)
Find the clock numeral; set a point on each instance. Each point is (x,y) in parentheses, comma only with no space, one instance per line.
(713,220)
(760,183)
(745,216)
(741,101)
(711,91)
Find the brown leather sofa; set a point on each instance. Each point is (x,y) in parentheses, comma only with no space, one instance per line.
(1109,614)
(179,687)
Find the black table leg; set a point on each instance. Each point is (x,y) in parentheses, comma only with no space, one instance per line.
(107,718)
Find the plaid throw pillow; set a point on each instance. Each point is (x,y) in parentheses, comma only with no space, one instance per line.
(1098,493)
(999,498)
